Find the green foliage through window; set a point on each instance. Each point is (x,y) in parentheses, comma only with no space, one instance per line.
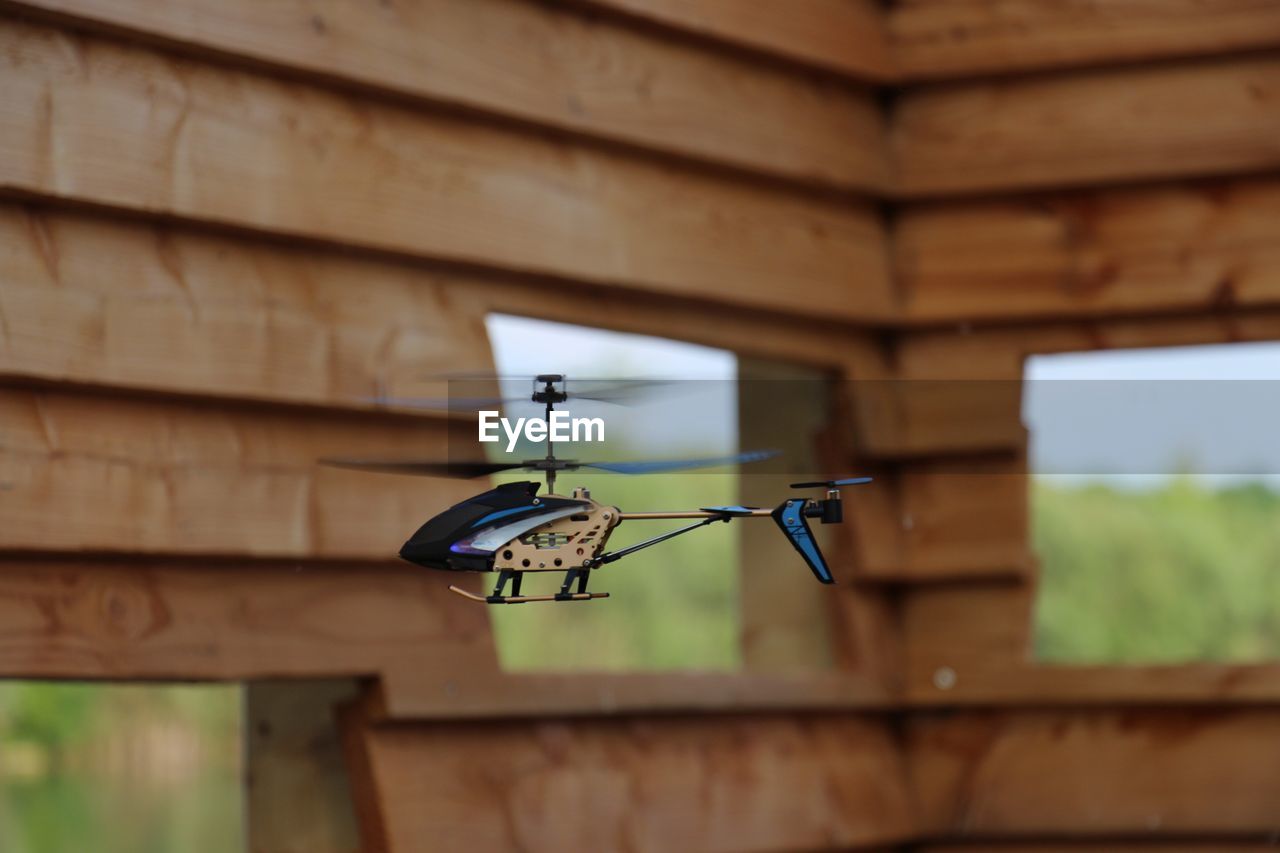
(1184,572)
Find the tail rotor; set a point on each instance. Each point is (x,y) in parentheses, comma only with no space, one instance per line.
(792,517)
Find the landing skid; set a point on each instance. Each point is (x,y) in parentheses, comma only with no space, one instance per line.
(521,599)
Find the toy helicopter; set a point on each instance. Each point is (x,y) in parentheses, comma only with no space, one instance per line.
(511,530)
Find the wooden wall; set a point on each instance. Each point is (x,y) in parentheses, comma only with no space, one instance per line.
(224,225)
(1071,176)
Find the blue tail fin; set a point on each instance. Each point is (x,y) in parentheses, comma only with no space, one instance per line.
(790,517)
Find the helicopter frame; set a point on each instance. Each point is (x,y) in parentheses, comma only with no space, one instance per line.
(512,530)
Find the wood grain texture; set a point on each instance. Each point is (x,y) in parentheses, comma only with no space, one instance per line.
(934,39)
(951,630)
(709,783)
(1026,683)
(785,625)
(137,619)
(1127,844)
(92,120)
(1205,118)
(1073,774)
(965,517)
(979,632)
(1179,247)
(541,64)
(998,352)
(923,416)
(177,309)
(81,619)
(99,474)
(459,693)
(298,798)
(846,36)
(94,301)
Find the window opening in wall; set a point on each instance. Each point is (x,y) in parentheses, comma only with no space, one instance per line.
(1155,502)
(673,606)
(121,768)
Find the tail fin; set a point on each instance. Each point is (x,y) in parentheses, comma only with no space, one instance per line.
(790,517)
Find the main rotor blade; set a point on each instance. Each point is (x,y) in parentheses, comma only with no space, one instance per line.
(831,484)
(443,404)
(425,468)
(617,391)
(661,465)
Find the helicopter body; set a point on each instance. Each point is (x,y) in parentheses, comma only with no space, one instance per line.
(511,530)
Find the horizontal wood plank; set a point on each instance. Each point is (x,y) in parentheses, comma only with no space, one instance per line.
(1026,683)
(935,39)
(716,783)
(913,417)
(965,517)
(107,474)
(1128,844)
(541,64)
(457,693)
(950,630)
(178,311)
(845,36)
(998,352)
(135,619)
(92,120)
(1180,247)
(181,310)
(971,645)
(79,619)
(1205,118)
(1073,774)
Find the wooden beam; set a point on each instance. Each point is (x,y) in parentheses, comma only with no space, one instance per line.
(1128,844)
(318,345)
(785,617)
(949,631)
(298,798)
(536,63)
(180,311)
(1080,774)
(1089,128)
(458,693)
(145,476)
(965,517)
(433,652)
(845,36)
(999,352)
(1177,247)
(934,39)
(911,417)
(1026,683)
(971,645)
(760,783)
(254,152)
(133,619)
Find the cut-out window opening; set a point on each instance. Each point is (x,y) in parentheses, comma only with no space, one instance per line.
(121,768)
(677,605)
(1155,498)
(672,606)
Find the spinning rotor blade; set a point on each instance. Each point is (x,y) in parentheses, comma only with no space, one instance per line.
(661,465)
(434,468)
(616,391)
(443,404)
(832,484)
